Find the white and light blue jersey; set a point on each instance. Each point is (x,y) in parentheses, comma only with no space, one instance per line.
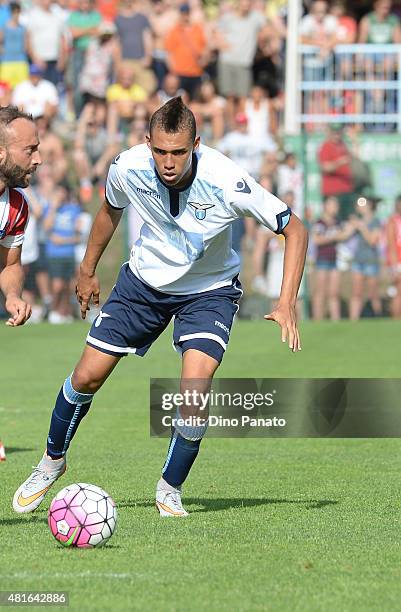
(185,241)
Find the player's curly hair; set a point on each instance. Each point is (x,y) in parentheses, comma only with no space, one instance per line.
(173,117)
(8,114)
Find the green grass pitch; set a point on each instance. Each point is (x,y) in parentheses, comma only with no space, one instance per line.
(279,524)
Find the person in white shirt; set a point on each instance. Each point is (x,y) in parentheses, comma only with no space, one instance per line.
(36,96)
(182,267)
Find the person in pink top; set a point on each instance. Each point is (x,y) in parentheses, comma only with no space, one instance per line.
(394,256)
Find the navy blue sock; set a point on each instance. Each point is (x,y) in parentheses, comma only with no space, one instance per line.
(180,457)
(71,407)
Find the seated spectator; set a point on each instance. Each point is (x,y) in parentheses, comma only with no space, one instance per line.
(208,108)
(170,89)
(36,95)
(62,227)
(186,47)
(13,39)
(123,97)
(242,148)
(92,150)
(139,126)
(327,232)
(394,257)
(101,61)
(134,32)
(51,149)
(366,263)
(47,42)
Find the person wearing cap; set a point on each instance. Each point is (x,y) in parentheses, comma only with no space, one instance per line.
(36,96)
(186,46)
(335,164)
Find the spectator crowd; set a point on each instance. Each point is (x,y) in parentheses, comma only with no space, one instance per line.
(92,72)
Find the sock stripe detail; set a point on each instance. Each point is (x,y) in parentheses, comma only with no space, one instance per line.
(75,397)
(71,428)
(170,452)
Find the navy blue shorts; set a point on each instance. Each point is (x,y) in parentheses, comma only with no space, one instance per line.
(135,315)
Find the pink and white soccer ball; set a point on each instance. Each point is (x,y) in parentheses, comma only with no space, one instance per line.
(82,515)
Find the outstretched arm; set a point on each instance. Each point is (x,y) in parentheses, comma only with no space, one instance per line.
(296,243)
(103,228)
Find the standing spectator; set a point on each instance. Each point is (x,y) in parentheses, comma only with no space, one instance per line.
(394,257)
(13,39)
(365,265)
(335,165)
(290,178)
(62,227)
(92,150)
(238,43)
(319,28)
(47,43)
(136,41)
(347,27)
(101,62)
(380,27)
(327,232)
(83,24)
(186,47)
(262,120)
(36,96)
(162,18)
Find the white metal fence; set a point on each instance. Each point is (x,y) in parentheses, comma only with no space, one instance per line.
(356,84)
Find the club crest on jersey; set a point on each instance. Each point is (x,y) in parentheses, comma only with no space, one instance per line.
(2,233)
(200,209)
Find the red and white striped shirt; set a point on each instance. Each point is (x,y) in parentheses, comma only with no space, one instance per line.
(13,218)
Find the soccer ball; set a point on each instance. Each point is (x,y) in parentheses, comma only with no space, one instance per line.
(82,515)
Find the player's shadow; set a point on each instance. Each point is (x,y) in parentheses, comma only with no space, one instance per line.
(19,520)
(218,504)
(16,449)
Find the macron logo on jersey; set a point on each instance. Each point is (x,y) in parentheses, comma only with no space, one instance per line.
(222,326)
(148,192)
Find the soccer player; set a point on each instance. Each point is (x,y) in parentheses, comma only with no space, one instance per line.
(19,158)
(182,266)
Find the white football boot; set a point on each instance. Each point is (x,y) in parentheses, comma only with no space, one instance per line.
(168,501)
(31,493)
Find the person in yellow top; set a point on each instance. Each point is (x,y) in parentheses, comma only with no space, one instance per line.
(122,98)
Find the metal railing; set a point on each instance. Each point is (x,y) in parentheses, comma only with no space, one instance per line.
(355,84)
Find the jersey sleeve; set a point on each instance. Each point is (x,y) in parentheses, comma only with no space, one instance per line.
(15,236)
(116,186)
(246,198)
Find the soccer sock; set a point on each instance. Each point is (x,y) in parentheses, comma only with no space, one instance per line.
(180,457)
(71,407)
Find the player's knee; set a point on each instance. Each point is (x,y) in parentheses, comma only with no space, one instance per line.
(85,381)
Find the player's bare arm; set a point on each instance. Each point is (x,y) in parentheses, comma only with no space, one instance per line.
(11,282)
(296,243)
(103,228)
